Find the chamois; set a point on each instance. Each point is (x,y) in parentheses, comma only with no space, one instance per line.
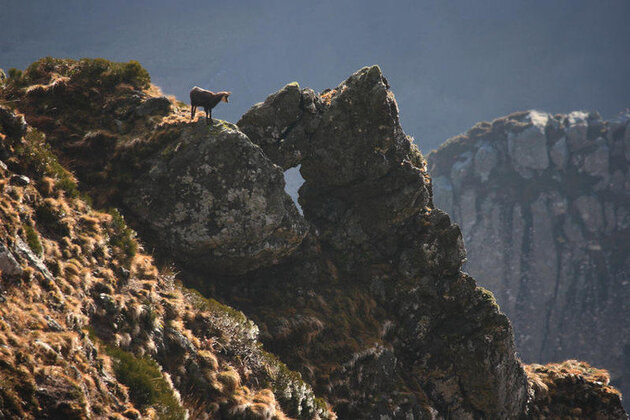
(206,99)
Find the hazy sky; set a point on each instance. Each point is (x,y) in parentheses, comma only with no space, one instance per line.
(450,63)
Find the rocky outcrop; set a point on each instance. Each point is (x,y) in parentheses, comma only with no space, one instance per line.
(91,328)
(366,194)
(370,306)
(586,392)
(544,204)
(268,123)
(216,202)
(207,195)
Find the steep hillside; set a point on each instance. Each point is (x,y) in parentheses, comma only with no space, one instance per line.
(363,295)
(544,205)
(91,328)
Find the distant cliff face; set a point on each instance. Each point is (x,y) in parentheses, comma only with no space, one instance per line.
(363,295)
(544,205)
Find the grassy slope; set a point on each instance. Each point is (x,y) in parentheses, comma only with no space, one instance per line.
(106,294)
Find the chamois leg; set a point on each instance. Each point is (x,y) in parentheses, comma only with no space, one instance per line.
(193,111)
(208,115)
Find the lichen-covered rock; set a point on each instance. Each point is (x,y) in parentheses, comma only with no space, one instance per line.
(361,122)
(8,265)
(207,194)
(25,251)
(366,193)
(215,201)
(267,123)
(551,243)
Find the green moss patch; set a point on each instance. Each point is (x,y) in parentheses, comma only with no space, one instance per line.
(97,71)
(147,386)
(36,159)
(32,239)
(123,237)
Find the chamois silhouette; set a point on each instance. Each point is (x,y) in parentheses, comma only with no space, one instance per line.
(206,99)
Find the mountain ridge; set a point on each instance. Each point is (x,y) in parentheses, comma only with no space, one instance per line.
(373,284)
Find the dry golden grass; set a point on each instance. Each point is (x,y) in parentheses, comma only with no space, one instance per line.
(327,97)
(592,396)
(47,186)
(100,296)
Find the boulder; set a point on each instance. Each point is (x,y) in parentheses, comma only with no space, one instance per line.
(367,196)
(25,252)
(8,265)
(216,202)
(19,180)
(359,138)
(266,124)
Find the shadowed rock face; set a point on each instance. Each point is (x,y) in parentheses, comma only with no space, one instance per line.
(363,175)
(543,202)
(371,306)
(367,196)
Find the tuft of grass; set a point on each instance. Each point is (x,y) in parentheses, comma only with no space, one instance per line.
(202,303)
(38,160)
(123,237)
(147,386)
(15,75)
(42,67)
(110,74)
(51,217)
(94,71)
(32,238)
